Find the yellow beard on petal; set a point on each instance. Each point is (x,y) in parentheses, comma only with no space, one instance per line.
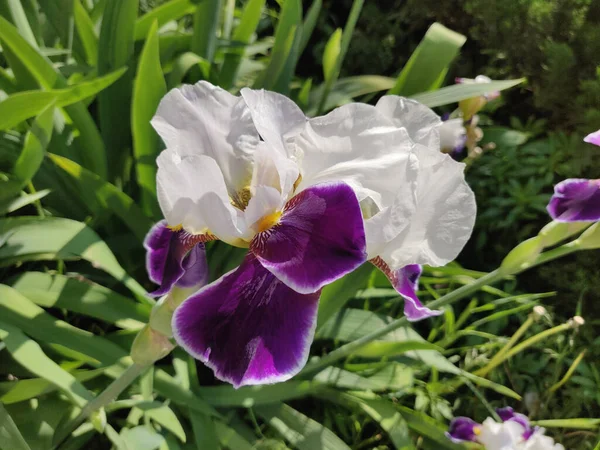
(268,221)
(175,227)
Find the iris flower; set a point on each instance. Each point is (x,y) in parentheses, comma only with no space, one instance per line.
(311,198)
(577,199)
(513,433)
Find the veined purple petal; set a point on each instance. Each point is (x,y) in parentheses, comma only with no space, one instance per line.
(462,429)
(319,238)
(175,258)
(593,138)
(406,283)
(508,413)
(575,200)
(248,326)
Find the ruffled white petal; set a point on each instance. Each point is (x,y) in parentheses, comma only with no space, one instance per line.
(273,169)
(192,193)
(420,122)
(444,216)
(206,120)
(275,116)
(357,145)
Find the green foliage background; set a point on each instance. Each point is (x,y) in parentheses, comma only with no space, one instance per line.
(79,81)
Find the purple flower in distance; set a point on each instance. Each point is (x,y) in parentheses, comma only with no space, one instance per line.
(312,199)
(462,429)
(575,200)
(593,138)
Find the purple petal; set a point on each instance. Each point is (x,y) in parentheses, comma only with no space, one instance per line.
(593,138)
(575,200)
(462,429)
(248,326)
(319,238)
(175,258)
(406,283)
(508,413)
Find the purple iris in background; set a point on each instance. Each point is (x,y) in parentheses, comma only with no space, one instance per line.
(577,199)
(513,433)
(311,199)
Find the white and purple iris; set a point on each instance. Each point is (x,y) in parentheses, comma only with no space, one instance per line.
(311,198)
(577,199)
(513,433)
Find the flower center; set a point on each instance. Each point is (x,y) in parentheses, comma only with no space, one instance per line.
(268,221)
(476,431)
(241,198)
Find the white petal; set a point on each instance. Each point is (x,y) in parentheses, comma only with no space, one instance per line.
(273,169)
(420,122)
(357,145)
(191,192)
(275,116)
(265,201)
(206,120)
(444,216)
(500,436)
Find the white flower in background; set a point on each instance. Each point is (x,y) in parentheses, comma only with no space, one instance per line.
(453,136)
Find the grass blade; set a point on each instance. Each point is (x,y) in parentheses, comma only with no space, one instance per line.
(87,33)
(148,89)
(10,434)
(162,14)
(310,22)
(429,63)
(115,51)
(206,21)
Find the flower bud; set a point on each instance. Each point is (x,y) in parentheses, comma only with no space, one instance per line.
(590,239)
(539,311)
(150,346)
(576,322)
(555,232)
(522,255)
(98,420)
(162,312)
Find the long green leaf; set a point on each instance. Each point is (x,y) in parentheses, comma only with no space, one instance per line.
(30,355)
(301,431)
(429,63)
(10,436)
(148,89)
(310,22)
(171,10)
(453,94)
(206,22)
(95,191)
(257,395)
(89,143)
(115,51)
(21,201)
(35,238)
(16,13)
(81,296)
(242,35)
(87,33)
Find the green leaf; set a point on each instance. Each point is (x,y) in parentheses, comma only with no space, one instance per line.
(164,416)
(21,106)
(429,63)
(346,89)
(230,438)
(24,200)
(87,33)
(10,436)
(81,296)
(284,54)
(115,51)
(36,238)
(206,21)
(205,433)
(36,142)
(249,396)
(140,438)
(15,11)
(162,14)
(378,349)
(453,94)
(337,294)
(301,431)
(30,355)
(108,197)
(89,143)
(148,89)
(345,43)
(348,380)
(310,22)
(580,423)
(331,54)
(182,66)
(428,427)
(242,35)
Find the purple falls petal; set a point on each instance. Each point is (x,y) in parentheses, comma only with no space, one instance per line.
(462,429)
(593,138)
(575,200)
(406,283)
(508,413)
(175,258)
(319,238)
(248,326)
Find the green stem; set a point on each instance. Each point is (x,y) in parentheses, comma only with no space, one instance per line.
(351,347)
(104,398)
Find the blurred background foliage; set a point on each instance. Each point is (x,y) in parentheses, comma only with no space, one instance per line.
(79,81)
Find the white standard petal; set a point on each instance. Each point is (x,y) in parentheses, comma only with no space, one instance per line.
(355,144)
(192,193)
(265,203)
(275,116)
(444,216)
(420,122)
(273,169)
(206,120)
